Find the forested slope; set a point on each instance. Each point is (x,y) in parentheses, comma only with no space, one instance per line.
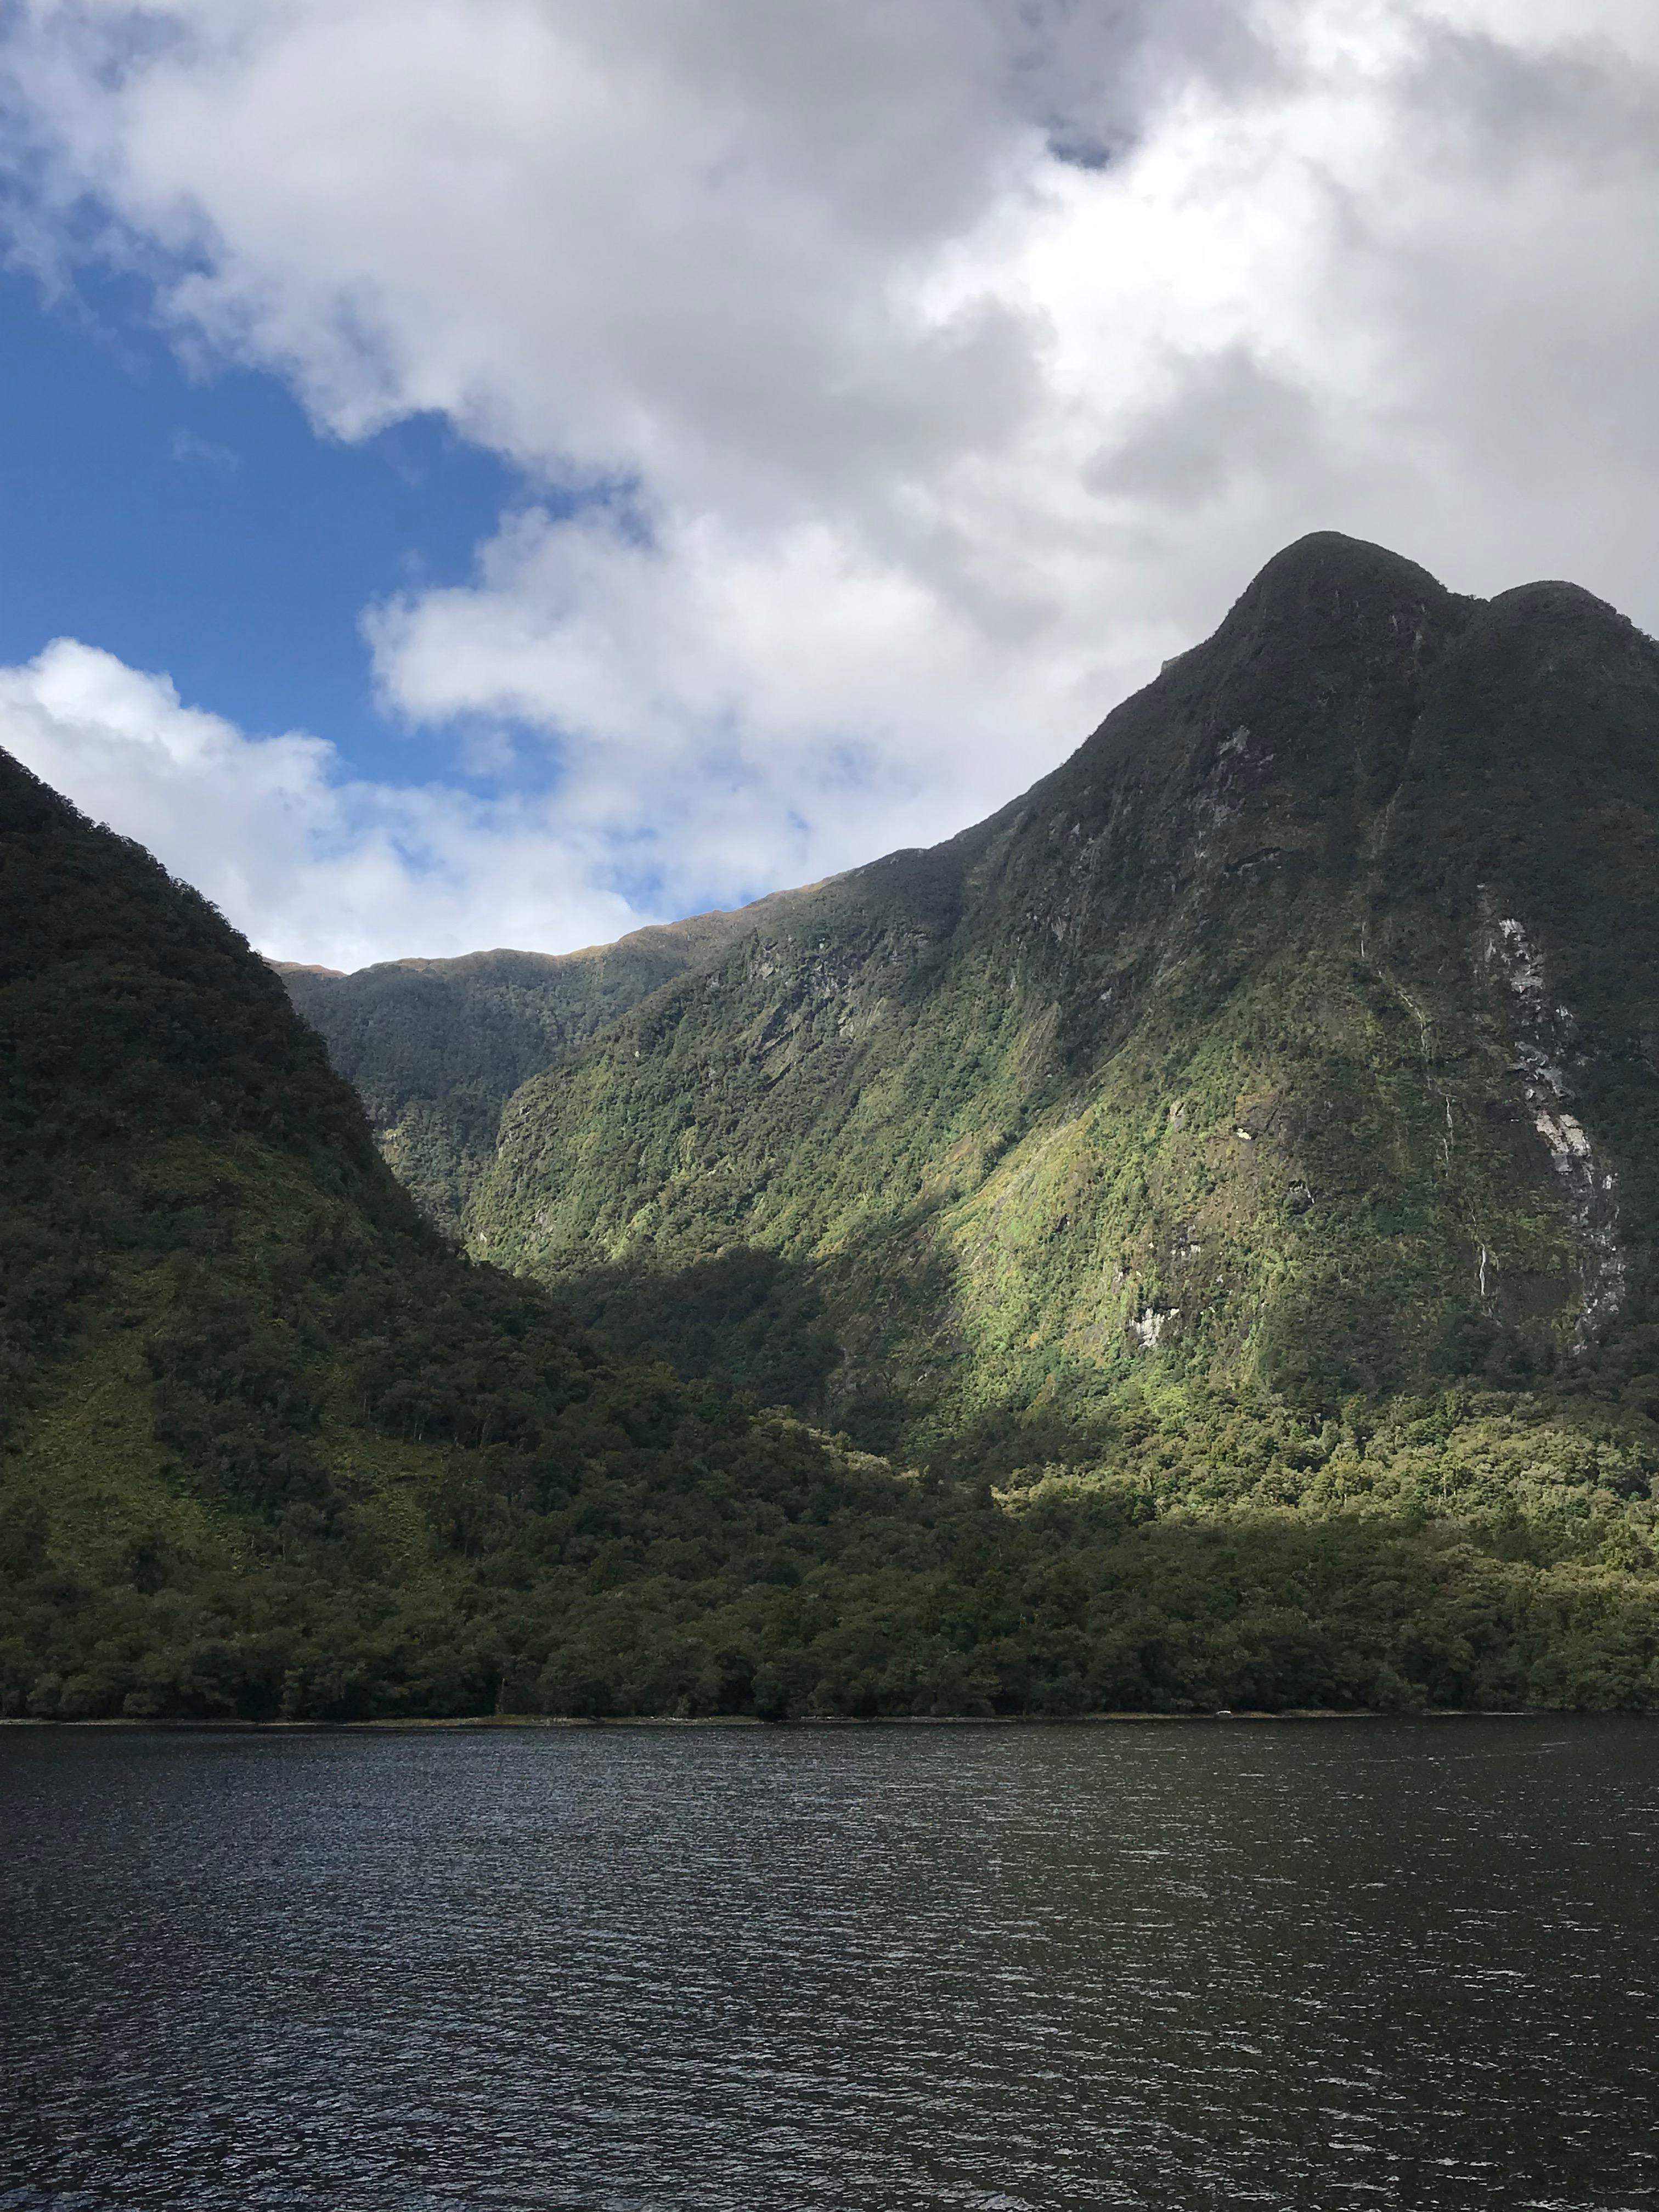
(1296,1036)
(940,1150)
(267,1446)
(435,1048)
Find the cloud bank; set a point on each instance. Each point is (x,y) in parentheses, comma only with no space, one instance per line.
(894,387)
(313,864)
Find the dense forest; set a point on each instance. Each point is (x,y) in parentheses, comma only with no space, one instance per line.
(271,1446)
(436,1048)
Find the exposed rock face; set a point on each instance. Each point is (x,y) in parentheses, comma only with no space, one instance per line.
(1548,1043)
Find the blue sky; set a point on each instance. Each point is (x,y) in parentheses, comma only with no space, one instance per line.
(505,475)
(197,524)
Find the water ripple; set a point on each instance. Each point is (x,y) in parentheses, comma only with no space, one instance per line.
(1394,1964)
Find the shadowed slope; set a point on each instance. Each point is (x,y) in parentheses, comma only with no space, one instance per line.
(266,1443)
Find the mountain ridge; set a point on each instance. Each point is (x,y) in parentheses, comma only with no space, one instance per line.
(435,1047)
(991,1148)
(269,1446)
(1314,776)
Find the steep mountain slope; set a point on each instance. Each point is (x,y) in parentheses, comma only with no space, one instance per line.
(435,1047)
(266,1444)
(269,1447)
(1299,1033)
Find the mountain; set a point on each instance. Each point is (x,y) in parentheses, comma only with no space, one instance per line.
(435,1048)
(1223,1178)
(1299,1034)
(268,1446)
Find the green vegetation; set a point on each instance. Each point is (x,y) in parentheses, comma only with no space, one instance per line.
(1185,1182)
(435,1048)
(1299,1033)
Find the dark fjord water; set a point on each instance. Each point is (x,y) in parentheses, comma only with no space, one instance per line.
(1371,1964)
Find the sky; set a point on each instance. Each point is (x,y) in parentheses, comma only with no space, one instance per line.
(483,473)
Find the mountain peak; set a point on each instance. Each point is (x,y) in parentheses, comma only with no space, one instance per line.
(1328,560)
(1203,1055)
(1327,583)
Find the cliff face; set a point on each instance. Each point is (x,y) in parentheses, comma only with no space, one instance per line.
(1297,1032)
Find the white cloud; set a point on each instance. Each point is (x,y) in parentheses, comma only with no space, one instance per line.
(946,365)
(310,863)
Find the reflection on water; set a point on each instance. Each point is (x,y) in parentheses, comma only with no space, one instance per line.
(1322,1965)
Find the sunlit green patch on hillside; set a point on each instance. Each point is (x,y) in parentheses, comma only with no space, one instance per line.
(1187,1243)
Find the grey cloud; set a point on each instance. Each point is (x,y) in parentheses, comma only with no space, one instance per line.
(1495,106)
(1226,415)
(890,115)
(1096,77)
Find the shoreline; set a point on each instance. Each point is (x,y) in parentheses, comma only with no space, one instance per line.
(562,1721)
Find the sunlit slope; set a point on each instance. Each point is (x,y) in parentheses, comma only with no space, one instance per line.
(1298,1030)
(435,1047)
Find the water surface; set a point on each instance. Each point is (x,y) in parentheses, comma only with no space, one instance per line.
(1312,1965)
